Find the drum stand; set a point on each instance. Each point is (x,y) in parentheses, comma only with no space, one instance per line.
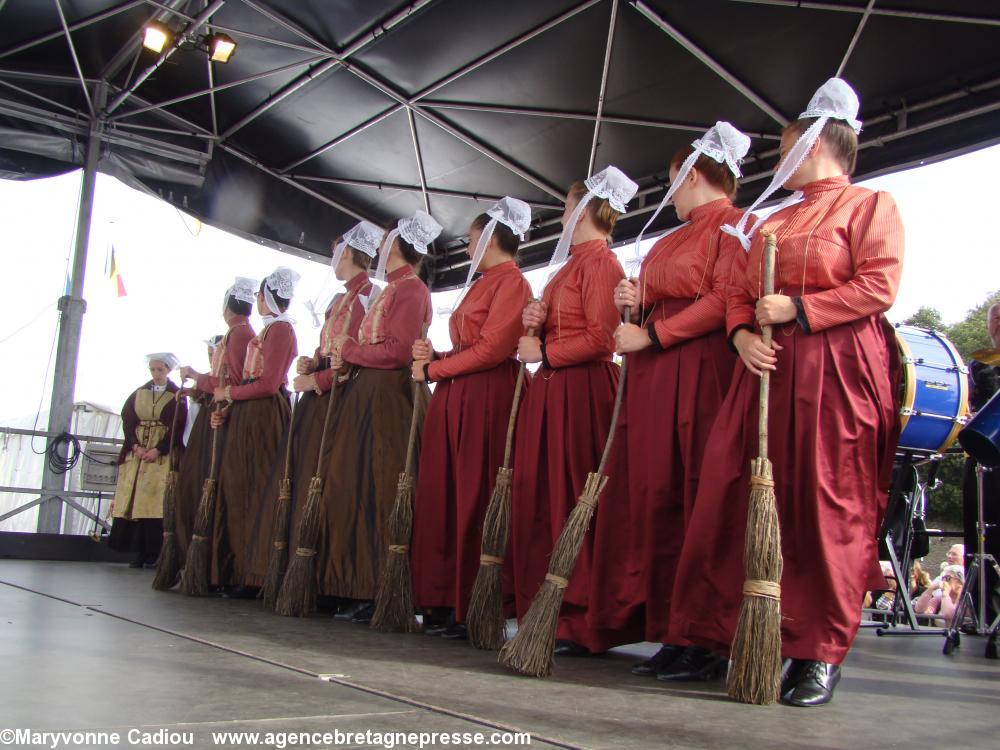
(976,576)
(901,563)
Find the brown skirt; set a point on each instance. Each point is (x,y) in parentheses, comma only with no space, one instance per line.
(307,432)
(195,465)
(367,453)
(244,506)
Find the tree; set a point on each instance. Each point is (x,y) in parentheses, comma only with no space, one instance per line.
(926,317)
(970,334)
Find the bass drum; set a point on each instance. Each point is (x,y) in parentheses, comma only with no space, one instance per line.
(935,391)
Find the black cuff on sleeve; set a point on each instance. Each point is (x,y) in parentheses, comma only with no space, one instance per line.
(427,372)
(545,358)
(800,314)
(732,333)
(657,345)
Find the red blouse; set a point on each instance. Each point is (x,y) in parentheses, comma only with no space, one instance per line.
(840,250)
(269,355)
(487,324)
(344,315)
(232,351)
(385,338)
(692,262)
(582,317)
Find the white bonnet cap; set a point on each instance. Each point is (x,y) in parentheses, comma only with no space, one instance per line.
(420,230)
(243,289)
(167,358)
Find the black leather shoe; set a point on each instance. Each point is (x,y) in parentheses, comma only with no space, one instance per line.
(347,611)
(242,592)
(658,661)
(817,680)
(135,564)
(456,632)
(791,670)
(437,620)
(365,614)
(570,648)
(696,664)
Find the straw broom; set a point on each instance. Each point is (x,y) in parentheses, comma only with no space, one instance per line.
(485,621)
(530,652)
(194,580)
(755,674)
(277,564)
(394,610)
(297,596)
(168,567)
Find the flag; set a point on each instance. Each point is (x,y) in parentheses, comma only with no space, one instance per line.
(115,276)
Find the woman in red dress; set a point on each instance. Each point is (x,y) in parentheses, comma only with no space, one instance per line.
(466,424)
(566,414)
(679,371)
(833,417)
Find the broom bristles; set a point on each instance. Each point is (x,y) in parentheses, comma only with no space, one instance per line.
(394,610)
(297,596)
(755,675)
(485,619)
(530,652)
(194,580)
(277,564)
(168,566)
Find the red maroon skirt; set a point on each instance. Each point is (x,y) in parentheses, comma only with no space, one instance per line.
(463,443)
(671,400)
(561,432)
(832,435)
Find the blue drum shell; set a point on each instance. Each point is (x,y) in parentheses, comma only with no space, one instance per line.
(981,437)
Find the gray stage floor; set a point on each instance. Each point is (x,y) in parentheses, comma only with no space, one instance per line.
(91,646)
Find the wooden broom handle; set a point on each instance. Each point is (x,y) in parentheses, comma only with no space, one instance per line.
(329,404)
(512,420)
(288,445)
(411,441)
(214,471)
(768,333)
(171,453)
(626,318)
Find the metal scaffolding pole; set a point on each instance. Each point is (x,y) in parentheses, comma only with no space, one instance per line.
(71,309)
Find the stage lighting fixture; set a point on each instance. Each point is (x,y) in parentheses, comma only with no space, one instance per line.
(220,47)
(156,36)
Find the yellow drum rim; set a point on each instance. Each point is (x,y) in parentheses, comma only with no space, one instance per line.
(909,381)
(963,397)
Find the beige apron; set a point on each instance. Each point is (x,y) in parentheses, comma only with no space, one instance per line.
(139,493)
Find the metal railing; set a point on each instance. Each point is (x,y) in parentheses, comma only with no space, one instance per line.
(67,497)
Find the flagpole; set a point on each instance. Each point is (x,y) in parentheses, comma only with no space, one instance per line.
(71,309)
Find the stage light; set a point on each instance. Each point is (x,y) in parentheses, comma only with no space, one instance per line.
(220,48)
(156,36)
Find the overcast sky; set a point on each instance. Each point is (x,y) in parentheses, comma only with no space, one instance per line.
(175,272)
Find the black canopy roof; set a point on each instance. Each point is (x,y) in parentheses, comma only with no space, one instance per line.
(335,110)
